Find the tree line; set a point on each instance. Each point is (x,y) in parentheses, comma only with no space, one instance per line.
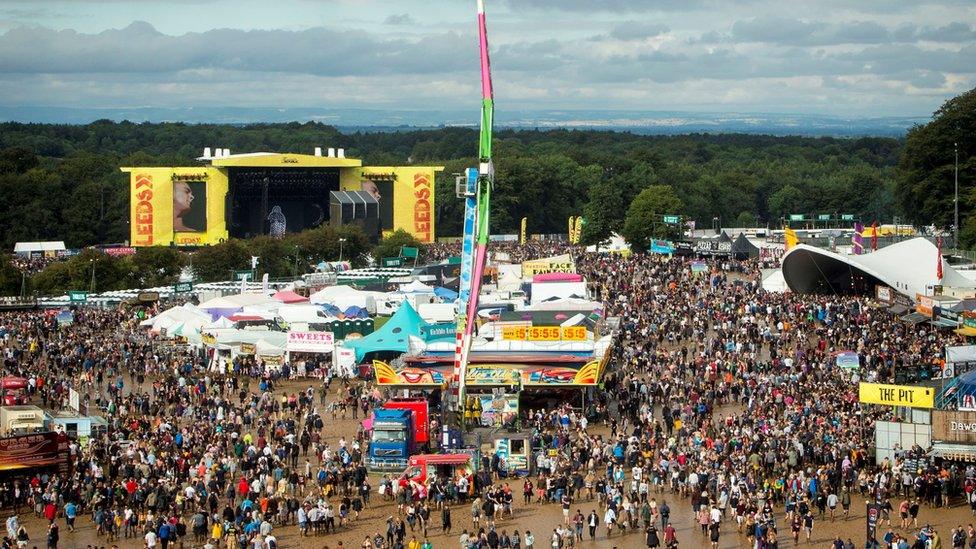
(62,182)
(291,256)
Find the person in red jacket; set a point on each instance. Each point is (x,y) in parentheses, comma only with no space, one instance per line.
(670,536)
(50,512)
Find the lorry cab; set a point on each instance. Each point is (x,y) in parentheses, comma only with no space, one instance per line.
(392,440)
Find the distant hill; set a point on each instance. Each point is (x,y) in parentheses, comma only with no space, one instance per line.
(639,122)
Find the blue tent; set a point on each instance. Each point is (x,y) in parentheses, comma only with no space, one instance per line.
(393,336)
(445,293)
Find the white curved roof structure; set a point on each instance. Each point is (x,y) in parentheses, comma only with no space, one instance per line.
(908,267)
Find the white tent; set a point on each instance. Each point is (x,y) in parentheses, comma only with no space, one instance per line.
(222,322)
(565,304)
(773,281)
(615,244)
(302,313)
(908,267)
(509,277)
(176,315)
(238,301)
(416,287)
(266,347)
(546,291)
(344,297)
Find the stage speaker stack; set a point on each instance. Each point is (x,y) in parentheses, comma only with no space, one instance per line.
(355,208)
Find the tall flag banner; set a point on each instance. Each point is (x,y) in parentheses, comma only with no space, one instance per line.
(572,229)
(790,237)
(858,239)
(464,284)
(525,222)
(486,177)
(579,229)
(938,259)
(874,236)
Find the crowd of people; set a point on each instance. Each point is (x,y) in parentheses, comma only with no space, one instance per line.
(722,401)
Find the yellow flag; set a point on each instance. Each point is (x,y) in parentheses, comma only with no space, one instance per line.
(572,228)
(579,229)
(791,238)
(525,221)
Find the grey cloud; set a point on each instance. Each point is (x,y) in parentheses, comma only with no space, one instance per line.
(618,6)
(796,32)
(139,48)
(953,32)
(637,30)
(781,30)
(399,19)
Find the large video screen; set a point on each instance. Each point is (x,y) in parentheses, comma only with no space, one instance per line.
(189,206)
(382,191)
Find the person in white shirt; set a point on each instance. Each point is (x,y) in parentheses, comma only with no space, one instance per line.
(151,539)
(609,519)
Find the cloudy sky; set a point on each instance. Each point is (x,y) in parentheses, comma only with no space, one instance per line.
(839,57)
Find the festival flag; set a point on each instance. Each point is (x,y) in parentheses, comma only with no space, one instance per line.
(791,238)
(874,236)
(572,228)
(525,222)
(858,238)
(938,264)
(578,229)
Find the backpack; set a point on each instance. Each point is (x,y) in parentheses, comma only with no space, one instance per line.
(272,544)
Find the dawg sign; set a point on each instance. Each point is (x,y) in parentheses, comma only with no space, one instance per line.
(421,207)
(896,395)
(311,342)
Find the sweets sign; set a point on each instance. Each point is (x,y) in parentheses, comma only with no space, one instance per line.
(311,342)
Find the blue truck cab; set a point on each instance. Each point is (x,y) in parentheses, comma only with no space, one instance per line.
(392,441)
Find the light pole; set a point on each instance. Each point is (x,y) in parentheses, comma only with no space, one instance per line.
(341,242)
(92,289)
(955,222)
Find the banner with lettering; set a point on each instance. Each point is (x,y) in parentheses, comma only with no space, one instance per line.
(310,342)
(896,395)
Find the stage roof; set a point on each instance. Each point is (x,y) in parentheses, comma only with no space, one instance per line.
(281,160)
(908,267)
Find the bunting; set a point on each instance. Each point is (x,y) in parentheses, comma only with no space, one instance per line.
(858,241)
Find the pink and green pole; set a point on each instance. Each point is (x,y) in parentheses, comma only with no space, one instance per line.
(486,175)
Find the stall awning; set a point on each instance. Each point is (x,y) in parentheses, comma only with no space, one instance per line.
(914,318)
(954,452)
(898,309)
(943,323)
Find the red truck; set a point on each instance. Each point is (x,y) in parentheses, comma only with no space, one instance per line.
(421,416)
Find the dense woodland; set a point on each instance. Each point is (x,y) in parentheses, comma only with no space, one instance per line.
(62,182)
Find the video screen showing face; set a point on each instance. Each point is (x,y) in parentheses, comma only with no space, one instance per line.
(190,206)
(382,191)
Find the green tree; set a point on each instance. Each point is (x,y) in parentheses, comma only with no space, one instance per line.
(391,245)
(603,212)
(644,216)
(745,219)
(788,200)
(156,266)
(11,278)
(925,183)
(214,263)
(89,271)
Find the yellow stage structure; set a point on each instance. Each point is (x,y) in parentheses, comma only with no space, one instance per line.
(195,205)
